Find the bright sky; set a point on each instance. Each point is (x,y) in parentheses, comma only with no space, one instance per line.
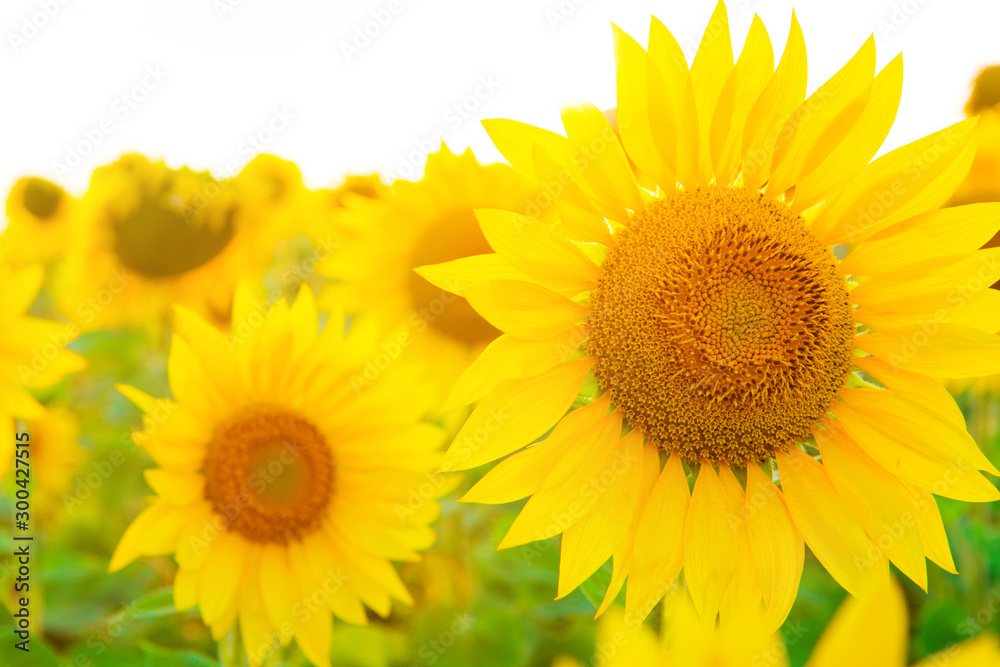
(210,83)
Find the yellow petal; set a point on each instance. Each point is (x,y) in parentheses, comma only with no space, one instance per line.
(633,108)
(938,350)
(602,160)
(945,287)
(658,554)
(743,596)
(185,589)
(896,414)
(878,498)
(178,488)
(516,413)
(588,543)
(814,130)
(916,387)
(220,576)
(910,180)
(712,65)
(954,231)
(745,83)
(932,535)
(622,557)
(524,309)
(775,546)
(944,478)
(884,609)
(834,536)
(981,651)
(710,544)
(673,112)
(508,358)
(569,490)
(459,275)
(533,248)
(782,95)
(278,587)
(857,145)
(515,141)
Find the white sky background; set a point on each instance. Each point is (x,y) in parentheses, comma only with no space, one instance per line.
(225,73)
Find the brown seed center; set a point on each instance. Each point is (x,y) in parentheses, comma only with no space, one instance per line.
(722,326)
(270,474)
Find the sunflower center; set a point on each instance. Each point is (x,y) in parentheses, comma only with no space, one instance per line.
(270,474)
(985,91)
(721,327)
(456,235)
(165,236)
(42,198)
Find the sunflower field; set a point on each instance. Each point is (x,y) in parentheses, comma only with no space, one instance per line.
(707,377)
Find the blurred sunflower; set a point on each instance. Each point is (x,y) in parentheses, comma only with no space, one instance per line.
(871,631)
(722,334)
(152,236)
(32,355)
(55,457)
(273,187)
(38,222)
(982,184)
(282,491)
(384,238)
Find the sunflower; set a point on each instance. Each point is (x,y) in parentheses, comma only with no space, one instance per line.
(38,220)
(872,631)
(983,181)
(32,356)
(274,187)
(772,313)
(282,492)
(55,456)
(383,238)
(152,236)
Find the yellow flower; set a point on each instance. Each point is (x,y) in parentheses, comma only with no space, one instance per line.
(385,238)
(55,456)
(871,631)
(38,222)
(282,492)
(151,236)
(273,187)
(721,334)
(32,355)
(983,181)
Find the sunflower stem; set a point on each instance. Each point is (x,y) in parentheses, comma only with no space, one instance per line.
(231,651)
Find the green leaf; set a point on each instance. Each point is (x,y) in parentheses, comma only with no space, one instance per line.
(160,656)
(155,604)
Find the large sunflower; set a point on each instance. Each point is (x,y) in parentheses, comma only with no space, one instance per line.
(32,356)
(869,632)
(282,492)
(719,333)
(38,222)
(152,236)
(383,238)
